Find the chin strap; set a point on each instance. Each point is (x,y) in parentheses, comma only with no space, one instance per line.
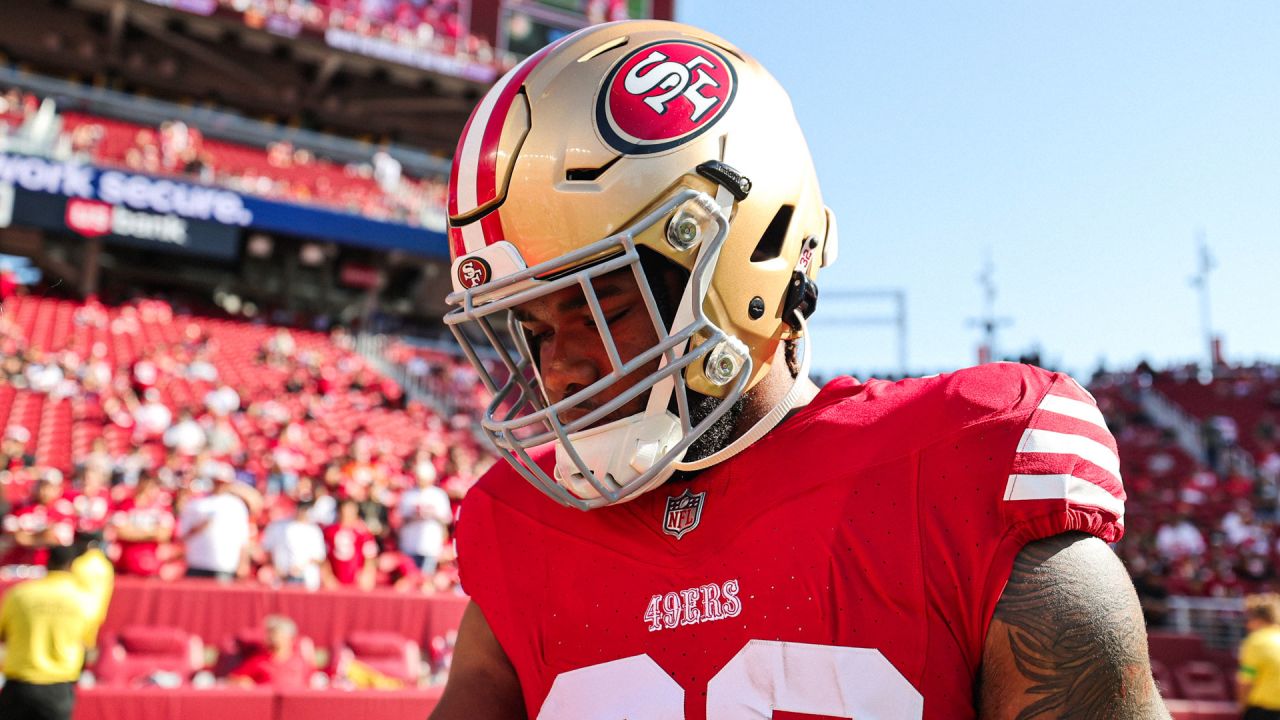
(769,421)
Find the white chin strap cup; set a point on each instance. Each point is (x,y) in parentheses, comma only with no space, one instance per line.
(617,453)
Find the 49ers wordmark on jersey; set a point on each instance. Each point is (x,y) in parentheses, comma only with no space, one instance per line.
(663,95)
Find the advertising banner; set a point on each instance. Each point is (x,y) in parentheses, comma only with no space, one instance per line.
(149,210)
(120,225)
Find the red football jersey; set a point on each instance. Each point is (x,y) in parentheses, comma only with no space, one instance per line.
(349,548)
(91,510)
(59,515)
(845,565)
(142,557)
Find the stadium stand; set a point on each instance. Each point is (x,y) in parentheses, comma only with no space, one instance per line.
(376,189)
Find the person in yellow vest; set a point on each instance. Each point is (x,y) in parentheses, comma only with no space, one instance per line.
(45,624)
(1259,677)
(96,575)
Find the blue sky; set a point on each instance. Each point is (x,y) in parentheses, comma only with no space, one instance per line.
(1081,144)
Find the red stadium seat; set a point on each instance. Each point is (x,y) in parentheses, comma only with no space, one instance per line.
(1202,680)
(137,654)
(387,652)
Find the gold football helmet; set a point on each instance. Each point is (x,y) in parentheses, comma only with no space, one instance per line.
(615,145)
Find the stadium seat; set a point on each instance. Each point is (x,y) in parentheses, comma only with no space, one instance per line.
(138,655)
(1202,680)
(387,652)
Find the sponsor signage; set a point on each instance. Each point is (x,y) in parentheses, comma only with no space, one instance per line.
(136,201)
(114,187)
(120,225)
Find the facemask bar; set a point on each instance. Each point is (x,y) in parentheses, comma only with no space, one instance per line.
(515,434)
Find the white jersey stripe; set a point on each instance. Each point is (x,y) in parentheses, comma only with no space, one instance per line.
(1065,487)
(1047,441)
(1074,408)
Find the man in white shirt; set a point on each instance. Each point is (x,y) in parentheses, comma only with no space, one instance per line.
(297,547)
(425,516)
(215,529)
(186,436)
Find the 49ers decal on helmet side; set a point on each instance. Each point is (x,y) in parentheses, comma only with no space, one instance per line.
(663,95)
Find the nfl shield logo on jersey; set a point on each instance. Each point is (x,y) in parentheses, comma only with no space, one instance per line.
(684,512)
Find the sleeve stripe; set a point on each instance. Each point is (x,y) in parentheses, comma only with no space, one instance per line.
(1056,443)
(1046,464)
(1074,408)
(1064,487)
(1069,388)
(1068,425)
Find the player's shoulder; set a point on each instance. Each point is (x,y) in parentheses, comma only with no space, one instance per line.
(504,487)
(984,392)
(937,405)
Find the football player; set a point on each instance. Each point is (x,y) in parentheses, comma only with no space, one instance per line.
(686,526)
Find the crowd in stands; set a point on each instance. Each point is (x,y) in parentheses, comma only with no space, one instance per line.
(213,447)
(1198,523)
(376,189)
(426,25)
(438,26)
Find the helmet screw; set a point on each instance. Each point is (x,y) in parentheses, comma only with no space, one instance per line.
(725,361)
(683,232)
(756,308)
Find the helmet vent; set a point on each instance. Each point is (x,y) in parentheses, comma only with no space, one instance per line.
(589,174)
(770,245)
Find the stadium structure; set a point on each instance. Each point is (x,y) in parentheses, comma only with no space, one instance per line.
(222,255)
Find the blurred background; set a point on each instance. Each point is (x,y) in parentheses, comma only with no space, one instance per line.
(223,268)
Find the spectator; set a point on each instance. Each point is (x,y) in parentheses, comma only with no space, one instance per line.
(222,401)
(297,548)
(1258,682)
(152,417)
(185,436)
(351,550)
(47,520)
(13,449)
(1179,539)
(92,500)
(45,625)
(215,529)
(278,664)
(143,526)
(425,515)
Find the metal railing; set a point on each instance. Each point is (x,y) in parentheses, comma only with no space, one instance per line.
(1220,621)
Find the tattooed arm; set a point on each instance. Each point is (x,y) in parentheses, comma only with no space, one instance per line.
(1067,639)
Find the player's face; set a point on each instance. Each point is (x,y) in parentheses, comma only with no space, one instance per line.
(570,350)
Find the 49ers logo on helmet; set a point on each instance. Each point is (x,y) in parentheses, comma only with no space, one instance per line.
(663,95)
(473,272)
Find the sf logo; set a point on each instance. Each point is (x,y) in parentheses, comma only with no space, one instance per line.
(473,272)
(675,79)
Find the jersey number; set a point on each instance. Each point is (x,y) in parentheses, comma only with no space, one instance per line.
(763,677)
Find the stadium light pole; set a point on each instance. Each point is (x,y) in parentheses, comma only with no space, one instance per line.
(989,322)
(1200,281)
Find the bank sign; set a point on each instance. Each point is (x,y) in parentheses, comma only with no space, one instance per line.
(170,215)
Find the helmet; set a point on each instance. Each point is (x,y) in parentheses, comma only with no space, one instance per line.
(616,146)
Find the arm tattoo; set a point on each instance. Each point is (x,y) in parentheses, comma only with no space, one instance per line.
(1067,639)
